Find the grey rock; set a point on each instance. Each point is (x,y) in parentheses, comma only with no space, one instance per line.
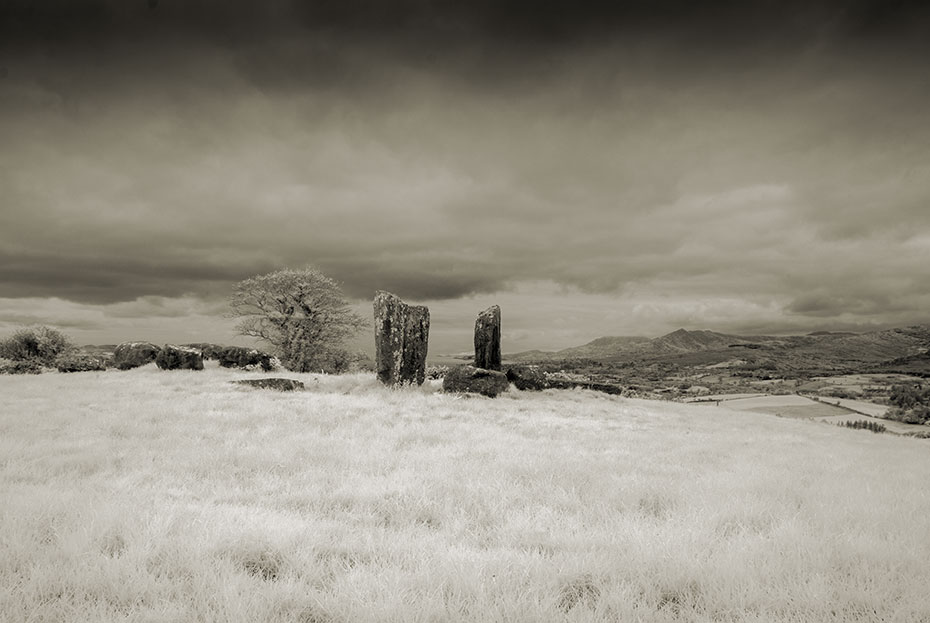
(469,379)
(488,339)
(173,357)
(281,385)
(527,378)
(130,355)
(240,357)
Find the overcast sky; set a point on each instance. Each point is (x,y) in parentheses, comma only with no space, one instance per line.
(596,168)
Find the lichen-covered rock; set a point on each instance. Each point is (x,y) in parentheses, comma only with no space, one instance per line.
(527,378)
(281,385)
(80,362)
(488,339)
(469,379)
(130,355)
(173,357)
(401,340)
(240,357)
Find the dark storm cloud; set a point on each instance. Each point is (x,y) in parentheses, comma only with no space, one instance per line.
(771,152)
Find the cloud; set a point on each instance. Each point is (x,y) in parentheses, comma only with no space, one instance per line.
(751,164)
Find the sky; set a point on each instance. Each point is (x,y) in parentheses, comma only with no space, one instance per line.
(595,168)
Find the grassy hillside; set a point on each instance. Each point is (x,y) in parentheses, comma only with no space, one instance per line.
(175,496)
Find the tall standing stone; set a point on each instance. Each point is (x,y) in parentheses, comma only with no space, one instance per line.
(401,340)
(488,339)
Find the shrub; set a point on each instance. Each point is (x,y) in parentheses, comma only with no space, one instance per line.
(28,366)
(911,404)
(436,372)
(40,344)
(875,427)
(80,362)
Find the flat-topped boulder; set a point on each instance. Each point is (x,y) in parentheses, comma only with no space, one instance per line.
(488,339)
(173,357)
(472,380)
(401,340)
(281,385)
(130,355)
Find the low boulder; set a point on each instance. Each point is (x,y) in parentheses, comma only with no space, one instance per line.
(80,362)
(281,385)
(207,350)
(173,357)
(130,355)
(528,378)
(241,357)
(470,379)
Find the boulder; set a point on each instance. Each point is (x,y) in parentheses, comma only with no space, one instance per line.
(173,357)
(282,385)
(80,362)
(239,357)
(401,340)
(469,379)
(488,339)
(527,378)
(207,350)
(134,354)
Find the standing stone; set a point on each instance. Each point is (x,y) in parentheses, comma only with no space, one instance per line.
(401,340)
(488,339)
(416,340)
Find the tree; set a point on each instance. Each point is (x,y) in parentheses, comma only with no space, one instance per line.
(303,314)
(42,345)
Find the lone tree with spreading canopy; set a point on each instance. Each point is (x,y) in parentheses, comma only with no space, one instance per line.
(303,314)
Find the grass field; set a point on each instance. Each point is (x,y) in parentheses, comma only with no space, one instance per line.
(176,496)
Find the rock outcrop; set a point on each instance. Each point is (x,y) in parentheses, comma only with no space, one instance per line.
(173,357)
(130,355)
(281,385)
(469,379)
(488,339)
(401,340)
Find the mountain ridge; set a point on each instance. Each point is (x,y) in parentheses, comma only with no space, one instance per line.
(872,347)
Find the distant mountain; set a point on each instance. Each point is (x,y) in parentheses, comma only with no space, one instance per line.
(821,347)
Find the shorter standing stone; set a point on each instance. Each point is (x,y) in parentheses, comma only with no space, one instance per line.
(470,379)
(173,357)
(488,339)
(282,385)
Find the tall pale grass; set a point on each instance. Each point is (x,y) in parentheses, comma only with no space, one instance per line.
(177,496)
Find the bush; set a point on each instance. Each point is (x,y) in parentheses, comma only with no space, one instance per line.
(29,366)
(911,404)
(42,345)
(875,427)
(80,362)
